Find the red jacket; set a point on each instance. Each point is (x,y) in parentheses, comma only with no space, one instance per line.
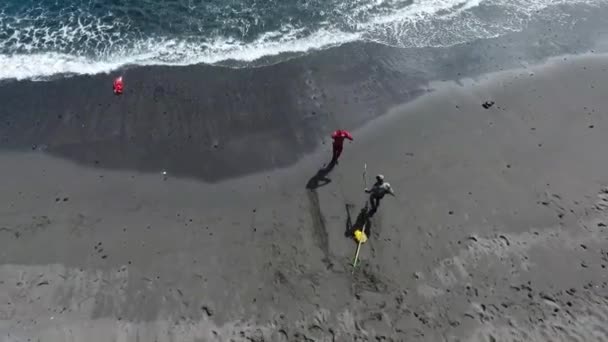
(340,135)
(118,86)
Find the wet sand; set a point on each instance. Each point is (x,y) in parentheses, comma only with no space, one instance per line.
(216,123)
(497,232)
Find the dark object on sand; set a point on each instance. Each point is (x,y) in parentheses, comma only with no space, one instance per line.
(207,311)
(487,104)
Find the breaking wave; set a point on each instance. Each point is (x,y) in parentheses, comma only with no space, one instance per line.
(43,40)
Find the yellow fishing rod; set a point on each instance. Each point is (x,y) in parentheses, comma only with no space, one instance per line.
(361,238)
(359,234)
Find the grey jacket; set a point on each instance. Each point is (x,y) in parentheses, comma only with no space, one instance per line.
(380,189)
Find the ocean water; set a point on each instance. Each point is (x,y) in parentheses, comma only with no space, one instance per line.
(41,38)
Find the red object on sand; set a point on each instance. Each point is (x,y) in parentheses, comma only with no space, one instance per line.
(339,137)
(118,86)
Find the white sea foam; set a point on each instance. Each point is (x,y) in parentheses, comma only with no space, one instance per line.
(167,52)
(421,24)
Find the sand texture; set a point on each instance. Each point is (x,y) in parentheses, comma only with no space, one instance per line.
(498,231)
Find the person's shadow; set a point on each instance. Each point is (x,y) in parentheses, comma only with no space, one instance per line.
(362,221)
(320,178)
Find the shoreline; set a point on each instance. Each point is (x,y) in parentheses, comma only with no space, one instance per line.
(242,121)
(557,18)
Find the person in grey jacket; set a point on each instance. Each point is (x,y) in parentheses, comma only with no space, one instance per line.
(377,192)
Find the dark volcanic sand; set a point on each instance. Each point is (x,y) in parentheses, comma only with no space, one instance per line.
(214,123)
(497,232)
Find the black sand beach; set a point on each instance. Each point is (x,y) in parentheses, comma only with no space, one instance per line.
(498,231)
(215,123)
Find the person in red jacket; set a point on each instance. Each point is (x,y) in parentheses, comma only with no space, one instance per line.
(118,86)
(338,137)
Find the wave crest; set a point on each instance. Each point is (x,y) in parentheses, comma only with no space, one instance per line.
(86,44)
